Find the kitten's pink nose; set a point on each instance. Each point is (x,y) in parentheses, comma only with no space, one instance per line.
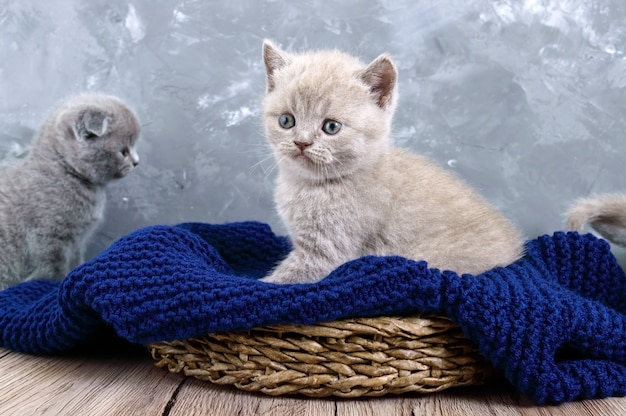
(302,145)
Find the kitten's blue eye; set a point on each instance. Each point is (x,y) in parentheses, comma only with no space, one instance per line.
(286,121)
(331,127)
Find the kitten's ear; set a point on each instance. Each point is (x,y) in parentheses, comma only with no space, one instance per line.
(381,76)
(274,59)
(91,123)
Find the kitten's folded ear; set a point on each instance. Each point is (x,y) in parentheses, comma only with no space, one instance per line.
(91,123)
(274,59)
(381,76)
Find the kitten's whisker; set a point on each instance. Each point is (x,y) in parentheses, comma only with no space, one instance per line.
(253,147)
(260,163)
(269,173)
(274,167)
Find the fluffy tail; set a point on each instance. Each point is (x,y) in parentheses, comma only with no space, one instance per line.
(606,214)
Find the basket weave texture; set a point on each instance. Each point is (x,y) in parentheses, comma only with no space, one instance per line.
(347,358)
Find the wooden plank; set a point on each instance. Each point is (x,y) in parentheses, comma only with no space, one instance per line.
(36,385)
(609,407)
(204,398)
(378,406)
(132,385)
(199,397)
(504,401)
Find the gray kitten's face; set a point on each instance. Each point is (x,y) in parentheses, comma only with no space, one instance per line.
(97,136)
(324,117)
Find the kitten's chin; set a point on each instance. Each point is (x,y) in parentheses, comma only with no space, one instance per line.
(123,172)
(305,168)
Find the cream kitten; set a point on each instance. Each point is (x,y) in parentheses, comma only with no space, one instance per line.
(344,192)
(606,214)
(51,201)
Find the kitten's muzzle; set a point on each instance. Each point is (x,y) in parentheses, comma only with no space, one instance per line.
(302,145)
(134,157)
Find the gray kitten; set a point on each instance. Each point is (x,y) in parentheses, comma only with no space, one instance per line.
(51,201)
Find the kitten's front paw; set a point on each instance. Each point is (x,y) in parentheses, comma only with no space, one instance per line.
(286,275)
(273,278)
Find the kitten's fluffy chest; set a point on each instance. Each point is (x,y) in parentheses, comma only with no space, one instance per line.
(381,209)
(99,203)
(294,195)
(349,208)
(370,190)
(82,203)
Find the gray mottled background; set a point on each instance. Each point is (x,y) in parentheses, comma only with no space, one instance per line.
(523,99)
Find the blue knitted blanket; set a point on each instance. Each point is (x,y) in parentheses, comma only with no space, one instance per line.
(554,322)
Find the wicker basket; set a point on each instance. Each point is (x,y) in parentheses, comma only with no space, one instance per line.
(348,358)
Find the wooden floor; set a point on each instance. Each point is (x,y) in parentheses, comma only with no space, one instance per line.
(98,384)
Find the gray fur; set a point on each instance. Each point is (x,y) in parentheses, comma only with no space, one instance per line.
(51,201)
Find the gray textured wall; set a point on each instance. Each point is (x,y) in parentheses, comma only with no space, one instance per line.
(524,99)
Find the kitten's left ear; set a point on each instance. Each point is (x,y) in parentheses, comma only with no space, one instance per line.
(274,59)
(381,76)
(91,123)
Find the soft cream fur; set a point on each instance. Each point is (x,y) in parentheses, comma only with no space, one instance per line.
(351,194)
(606,214)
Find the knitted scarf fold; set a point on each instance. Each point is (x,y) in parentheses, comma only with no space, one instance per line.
(554,322)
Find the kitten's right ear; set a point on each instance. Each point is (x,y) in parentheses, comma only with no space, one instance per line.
(91,123)
(274,59)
